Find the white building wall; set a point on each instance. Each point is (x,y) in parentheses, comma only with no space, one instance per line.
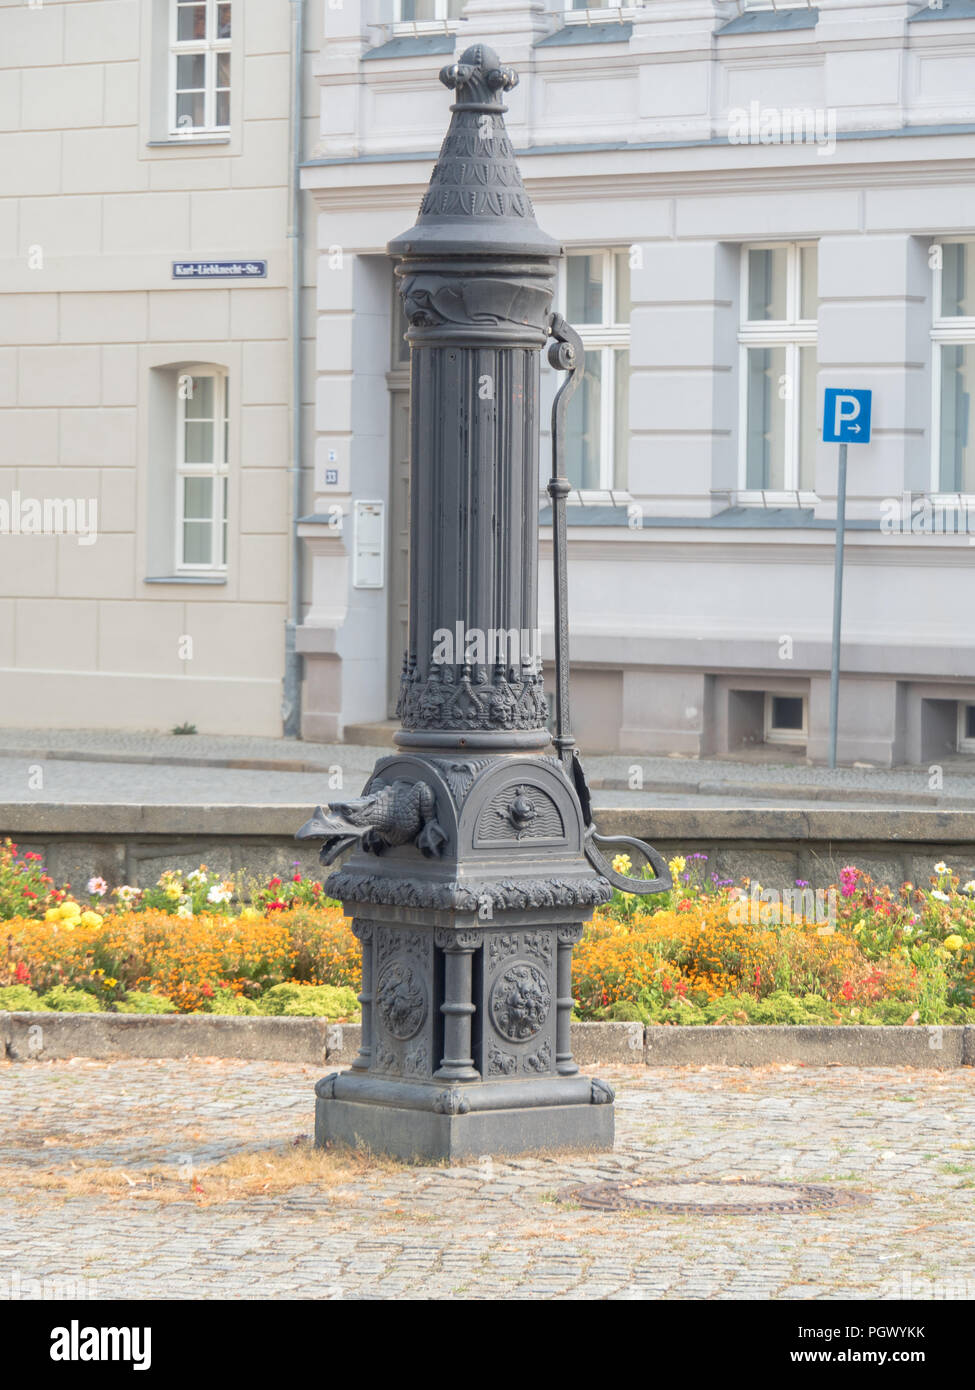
(626,144)
(96,202)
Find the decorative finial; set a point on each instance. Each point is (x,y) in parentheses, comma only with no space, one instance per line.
(478,78)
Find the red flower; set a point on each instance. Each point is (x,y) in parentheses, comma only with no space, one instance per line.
(296,879)
(276,906)
(274,883)
(29,894)
(666,984)
(22,974)
(847,990)
(206,991)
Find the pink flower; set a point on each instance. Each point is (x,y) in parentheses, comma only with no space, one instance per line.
(848,880)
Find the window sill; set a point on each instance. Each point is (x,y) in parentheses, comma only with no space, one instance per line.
(410,45)
(601,514)
(186,579)
(596,31)
(771,20)
(777,499)
(204,139)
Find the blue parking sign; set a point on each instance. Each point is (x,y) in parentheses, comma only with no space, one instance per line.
(846,416)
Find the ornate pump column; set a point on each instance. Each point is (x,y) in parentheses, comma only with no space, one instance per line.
(472,868)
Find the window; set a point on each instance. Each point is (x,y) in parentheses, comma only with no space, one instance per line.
(785,719)
(201,472)
(596,301)
(777,338)
(427,11)
(953,385)
(200,40)
(966,728)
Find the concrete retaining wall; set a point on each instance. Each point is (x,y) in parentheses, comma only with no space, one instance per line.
(133,844)
(52,1036)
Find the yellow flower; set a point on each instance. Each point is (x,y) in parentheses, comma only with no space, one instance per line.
(109,983)
(91,919)
(953,942)
(623,864)
(172,892)
(69,910)
(677,865)
(53,914)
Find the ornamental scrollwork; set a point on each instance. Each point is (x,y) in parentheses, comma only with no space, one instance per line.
(451,1102)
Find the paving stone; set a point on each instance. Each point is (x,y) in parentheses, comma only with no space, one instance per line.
(492,1230)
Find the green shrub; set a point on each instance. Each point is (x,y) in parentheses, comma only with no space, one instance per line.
(20,999)
(310,1001)
(225,1001)
(65,1000)
(138,1001)
(625,1011)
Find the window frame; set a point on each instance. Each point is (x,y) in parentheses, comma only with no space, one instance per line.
(580,14)
(773,733)
(210,48)
(791,333)
(441,22)
(606,338)
(954,330)
(962,743)
(218,470)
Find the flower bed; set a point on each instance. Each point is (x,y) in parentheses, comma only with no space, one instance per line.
(709,951)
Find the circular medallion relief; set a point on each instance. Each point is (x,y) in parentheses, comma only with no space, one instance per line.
(401,999)
(520,1001)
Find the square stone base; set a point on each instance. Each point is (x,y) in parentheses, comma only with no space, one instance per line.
(422,1136)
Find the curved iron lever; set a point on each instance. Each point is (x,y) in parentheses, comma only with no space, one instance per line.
(660,884)
(567,354)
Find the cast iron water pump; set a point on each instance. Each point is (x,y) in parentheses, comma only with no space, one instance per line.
(475,863)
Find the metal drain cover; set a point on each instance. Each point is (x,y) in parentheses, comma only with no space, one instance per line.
(686,1196)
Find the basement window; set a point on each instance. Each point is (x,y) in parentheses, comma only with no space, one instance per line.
(966,728)
(785,718)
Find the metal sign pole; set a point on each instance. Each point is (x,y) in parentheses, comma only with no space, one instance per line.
(834,678)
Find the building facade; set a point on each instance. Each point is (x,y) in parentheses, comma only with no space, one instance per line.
(146,346)
(756,204)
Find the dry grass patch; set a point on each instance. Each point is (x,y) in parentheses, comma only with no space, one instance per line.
(265,1173)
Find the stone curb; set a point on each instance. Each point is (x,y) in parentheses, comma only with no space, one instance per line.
(937,1048)
(58,1036)
(777,823)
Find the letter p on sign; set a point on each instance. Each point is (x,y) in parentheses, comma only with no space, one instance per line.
(846,416)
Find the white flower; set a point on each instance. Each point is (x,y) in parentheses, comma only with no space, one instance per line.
(184,911)
(219,893)
(942,897)
(196,876)
(942,868)
(97,887)
(968,887)
(125,893)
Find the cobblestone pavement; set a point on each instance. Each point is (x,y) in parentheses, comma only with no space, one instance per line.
(107,765)
(493,1229)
